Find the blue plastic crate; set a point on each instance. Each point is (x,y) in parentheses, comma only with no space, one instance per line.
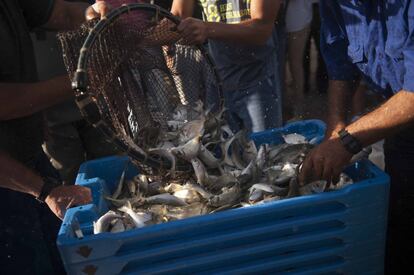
(336,232)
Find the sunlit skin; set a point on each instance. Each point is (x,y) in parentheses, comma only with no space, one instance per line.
(328,159)
(255,31)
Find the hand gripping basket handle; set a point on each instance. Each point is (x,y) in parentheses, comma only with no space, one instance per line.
(87,105)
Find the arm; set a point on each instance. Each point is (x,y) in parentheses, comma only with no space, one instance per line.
(17,177)
(255,31)
(23,99)
(394,115)
(182,8)
(70,15)
(339,104)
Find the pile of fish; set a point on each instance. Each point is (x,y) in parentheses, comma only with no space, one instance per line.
(228,171)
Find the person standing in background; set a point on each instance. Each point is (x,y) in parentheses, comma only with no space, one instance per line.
(298,20)
(242,40)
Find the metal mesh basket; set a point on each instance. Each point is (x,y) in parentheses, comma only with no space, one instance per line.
(130,71)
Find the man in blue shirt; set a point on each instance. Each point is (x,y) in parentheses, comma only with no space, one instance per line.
(372,40)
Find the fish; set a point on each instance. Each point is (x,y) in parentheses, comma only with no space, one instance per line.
(250,150)
(166,153)
(117,225)
(236,155)
(191,130)
(103,223)
(261,157)
(203,193)
(187,195)
(255,195)
(268,188)
(189,150)
(165,198)
(120,185)
(314,187)
(225,149)
(139,218)
(208,158)
(291,153)
(225,180)
(294,138)
(227,196)
(200,171)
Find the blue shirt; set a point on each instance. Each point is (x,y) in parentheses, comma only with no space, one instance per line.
(374,38)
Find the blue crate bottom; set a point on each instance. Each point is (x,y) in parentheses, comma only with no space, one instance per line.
(336,232)
(339,232)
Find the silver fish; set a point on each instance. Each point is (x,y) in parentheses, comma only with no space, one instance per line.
(208,158)
(200,171)
(195,209)
(132,188)
(120,185)
(155,188)
(189,150)
(192,129)
(255,195)
(250,150)
(268,188)
(313,187)
(225,180)
(227,197)
(236,156)
(139,218)
(205,194)
(187,195)
(294,138)
(117,225)
(225,148)
(249,174)
(103,223)
(166,198)
(261,157)
(166,153)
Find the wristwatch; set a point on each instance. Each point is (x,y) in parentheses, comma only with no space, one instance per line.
(350,142)
(48,184)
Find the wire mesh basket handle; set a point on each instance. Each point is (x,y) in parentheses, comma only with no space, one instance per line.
(86,104)
(84,83)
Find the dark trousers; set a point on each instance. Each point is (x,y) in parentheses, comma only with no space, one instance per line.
(28,230)
(399,162)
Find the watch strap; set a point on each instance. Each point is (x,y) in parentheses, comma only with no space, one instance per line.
(48,184)
(350,143)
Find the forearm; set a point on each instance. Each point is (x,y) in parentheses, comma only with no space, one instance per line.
(17,177)
(67,15)
(339,100)
(23,99)
(394,115)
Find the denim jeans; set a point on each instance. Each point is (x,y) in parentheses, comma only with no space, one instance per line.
(256,108)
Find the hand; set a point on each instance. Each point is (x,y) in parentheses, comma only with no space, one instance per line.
(325,162)
(193,31)
(64,197)
(99,9)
